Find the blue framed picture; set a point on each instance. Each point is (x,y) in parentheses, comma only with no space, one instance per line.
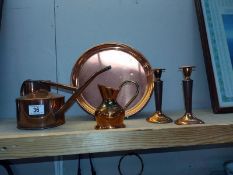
(215,18)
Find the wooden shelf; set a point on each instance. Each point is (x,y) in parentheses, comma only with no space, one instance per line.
(78,136)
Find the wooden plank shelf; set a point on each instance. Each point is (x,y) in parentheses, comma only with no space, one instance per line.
(78,136)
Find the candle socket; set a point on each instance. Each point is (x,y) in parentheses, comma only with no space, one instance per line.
(188,118)
(158,116)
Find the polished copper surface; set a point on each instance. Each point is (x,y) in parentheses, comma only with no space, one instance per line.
(158,116)
(30,86)
(188,118)
(58,85)
(81,88)
(127,64)
(187,71)
(110,114)
(158,73)
(51,105)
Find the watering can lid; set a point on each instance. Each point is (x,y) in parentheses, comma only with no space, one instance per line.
(40,94)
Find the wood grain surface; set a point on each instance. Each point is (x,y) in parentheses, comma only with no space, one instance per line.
(79,136)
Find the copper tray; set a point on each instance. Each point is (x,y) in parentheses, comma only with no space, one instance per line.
(127,64)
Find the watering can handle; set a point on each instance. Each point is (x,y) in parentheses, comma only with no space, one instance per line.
(136,93)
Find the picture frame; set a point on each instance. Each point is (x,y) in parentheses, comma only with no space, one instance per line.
(215,19)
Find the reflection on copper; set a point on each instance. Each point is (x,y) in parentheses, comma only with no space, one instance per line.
(127,64)
(158,116)
(110,114)
(36,92)
(124,67)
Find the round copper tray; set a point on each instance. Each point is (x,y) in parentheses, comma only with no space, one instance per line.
(127,64)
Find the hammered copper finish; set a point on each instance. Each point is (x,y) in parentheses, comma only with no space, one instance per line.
(127,64)
(110,114)
(158,116)
(188,118)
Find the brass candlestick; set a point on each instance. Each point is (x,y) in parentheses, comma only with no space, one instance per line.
(158,116)
(188,118)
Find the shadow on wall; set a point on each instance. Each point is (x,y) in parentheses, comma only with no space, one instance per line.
(211,162)
(1,7)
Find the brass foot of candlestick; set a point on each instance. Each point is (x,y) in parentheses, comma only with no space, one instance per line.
(188,118)
(158,116)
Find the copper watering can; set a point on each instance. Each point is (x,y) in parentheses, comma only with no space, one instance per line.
(38,108)
(110,114)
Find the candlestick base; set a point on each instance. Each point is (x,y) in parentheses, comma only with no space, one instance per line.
(159,117)
(188,119)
